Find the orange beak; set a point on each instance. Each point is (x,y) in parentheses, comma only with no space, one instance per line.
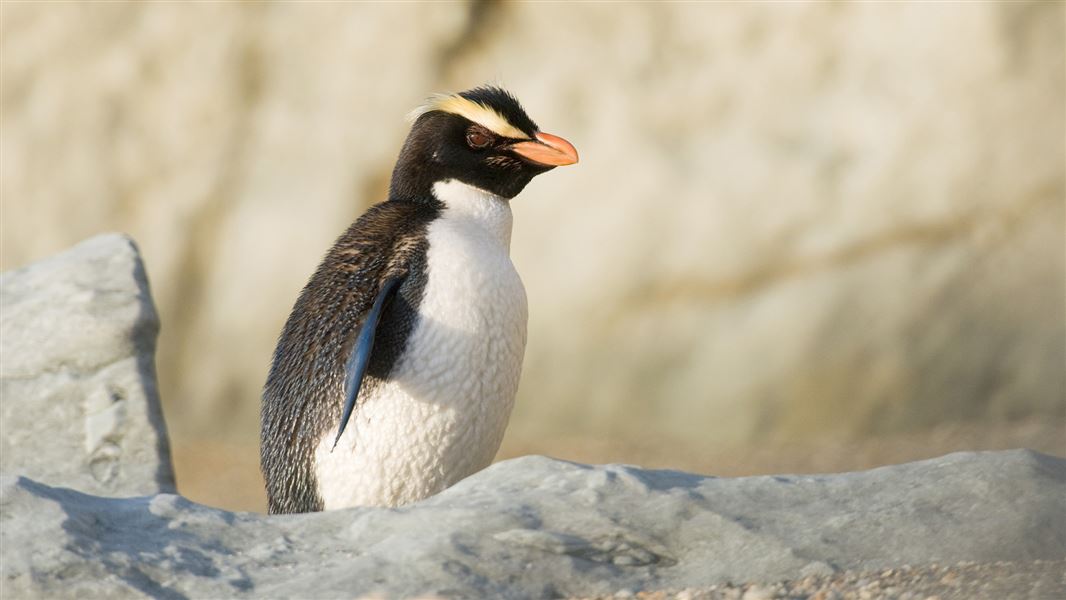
(549,150)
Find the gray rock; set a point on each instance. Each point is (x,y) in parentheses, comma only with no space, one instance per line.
(80,406)
(537,527)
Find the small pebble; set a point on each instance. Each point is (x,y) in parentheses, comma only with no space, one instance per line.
(758,592)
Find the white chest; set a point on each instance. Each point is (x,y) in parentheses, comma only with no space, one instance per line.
(442,415)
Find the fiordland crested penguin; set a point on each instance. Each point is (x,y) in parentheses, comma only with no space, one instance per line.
(395,374)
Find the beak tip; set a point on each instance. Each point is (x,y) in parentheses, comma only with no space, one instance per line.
(564,152)
(547,150)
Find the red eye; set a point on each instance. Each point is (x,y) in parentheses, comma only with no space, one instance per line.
(478,139)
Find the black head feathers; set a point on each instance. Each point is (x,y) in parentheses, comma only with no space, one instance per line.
(482,137)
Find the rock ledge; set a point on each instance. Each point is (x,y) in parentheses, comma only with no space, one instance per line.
(538,527)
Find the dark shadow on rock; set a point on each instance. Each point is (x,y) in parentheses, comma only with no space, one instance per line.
(126,539)
(664,480)
(144,337)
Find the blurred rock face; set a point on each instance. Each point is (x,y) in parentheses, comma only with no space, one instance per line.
(787,219)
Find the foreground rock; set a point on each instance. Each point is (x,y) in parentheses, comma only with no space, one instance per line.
(80,406)
(536,527)
(1029,580)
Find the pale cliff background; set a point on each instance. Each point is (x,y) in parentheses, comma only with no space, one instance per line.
(805,226)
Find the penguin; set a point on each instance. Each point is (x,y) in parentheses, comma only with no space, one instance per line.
(395,374)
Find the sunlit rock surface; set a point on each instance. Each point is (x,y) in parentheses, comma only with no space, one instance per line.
(80,402)
(539,528)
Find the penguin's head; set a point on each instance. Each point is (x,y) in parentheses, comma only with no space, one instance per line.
(481,137)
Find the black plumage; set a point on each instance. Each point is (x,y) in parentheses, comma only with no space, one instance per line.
(504,103)
(305,391)
(438,149)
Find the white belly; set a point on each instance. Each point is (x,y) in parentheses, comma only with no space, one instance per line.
(442,414)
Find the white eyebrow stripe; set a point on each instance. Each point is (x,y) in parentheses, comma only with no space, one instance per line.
(478,113)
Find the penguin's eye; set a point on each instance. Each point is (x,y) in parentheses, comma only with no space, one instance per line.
(478,138)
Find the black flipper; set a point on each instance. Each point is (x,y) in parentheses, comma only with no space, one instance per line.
(360,356)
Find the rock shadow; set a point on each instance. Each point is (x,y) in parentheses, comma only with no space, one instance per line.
(131,543)
(144,336)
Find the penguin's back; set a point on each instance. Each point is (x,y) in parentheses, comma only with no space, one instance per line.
(441,413)
(304,393)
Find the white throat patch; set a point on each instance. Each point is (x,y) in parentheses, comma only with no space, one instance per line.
(466,203)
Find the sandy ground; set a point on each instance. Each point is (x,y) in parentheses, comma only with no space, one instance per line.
(1034,580)
(226,475)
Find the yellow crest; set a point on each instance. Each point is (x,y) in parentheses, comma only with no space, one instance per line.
(474,111)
